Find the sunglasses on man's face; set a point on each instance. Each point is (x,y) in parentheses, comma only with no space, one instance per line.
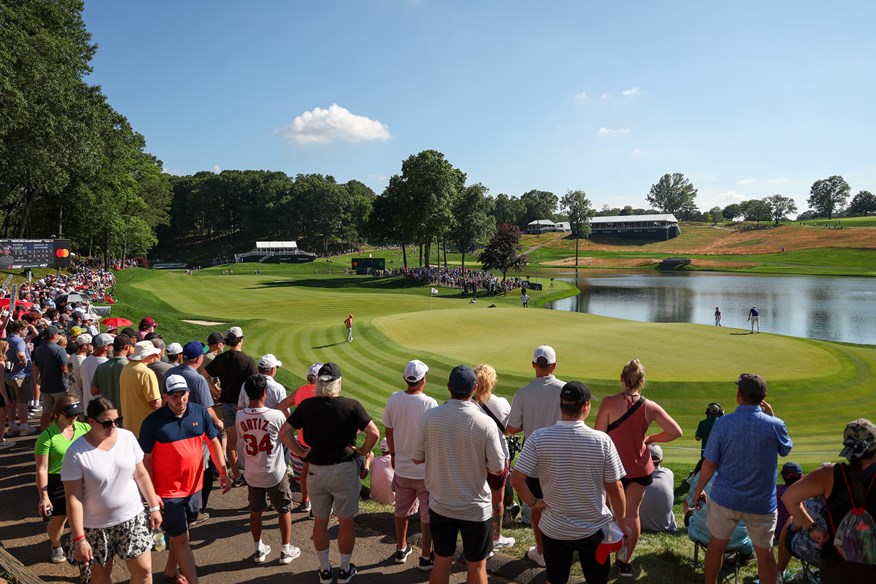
(108,424)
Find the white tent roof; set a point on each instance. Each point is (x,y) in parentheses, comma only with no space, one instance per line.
(634,218)
(541,222)
(276,245)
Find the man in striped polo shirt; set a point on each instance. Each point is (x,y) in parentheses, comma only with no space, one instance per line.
(460,446)
(575,488)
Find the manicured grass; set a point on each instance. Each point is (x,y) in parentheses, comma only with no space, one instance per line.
(844,221)
(297,315)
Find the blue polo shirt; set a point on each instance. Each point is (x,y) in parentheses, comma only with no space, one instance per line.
(199,391)
(746,445)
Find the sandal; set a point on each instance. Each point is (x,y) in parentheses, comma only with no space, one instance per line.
(175,579)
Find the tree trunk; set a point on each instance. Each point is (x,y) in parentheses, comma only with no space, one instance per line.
(576,252)
(405,254)
(61,222)
(427,252)
(463,261)
(445,253)
(29,196)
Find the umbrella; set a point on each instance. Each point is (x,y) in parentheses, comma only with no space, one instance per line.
(72,298)
(117,322)
(4,303)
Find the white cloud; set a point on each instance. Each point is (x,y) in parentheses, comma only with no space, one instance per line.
(581,96)
(170,171)
(377,178)
(217,169)
(632,92)
(746,181)
(604,132)
(605,95)
(335,124)
(773,181)
(729,197)
(637,151)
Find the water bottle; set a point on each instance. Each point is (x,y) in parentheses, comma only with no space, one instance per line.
(159,544)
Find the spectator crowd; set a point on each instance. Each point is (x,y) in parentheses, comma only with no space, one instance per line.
(134,433)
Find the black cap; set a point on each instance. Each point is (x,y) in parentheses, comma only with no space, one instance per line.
(51,331)
(575,392)
(72,410)
(462,380)
(329,372)
(215,338)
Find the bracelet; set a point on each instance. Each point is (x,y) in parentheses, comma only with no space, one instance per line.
(78,539)
(154,509)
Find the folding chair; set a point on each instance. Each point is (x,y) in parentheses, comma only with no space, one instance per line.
(731,557)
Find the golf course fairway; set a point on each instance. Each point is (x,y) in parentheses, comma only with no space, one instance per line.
(297,314)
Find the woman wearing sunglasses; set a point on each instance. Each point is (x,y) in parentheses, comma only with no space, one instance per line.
(104,479)
(49,451)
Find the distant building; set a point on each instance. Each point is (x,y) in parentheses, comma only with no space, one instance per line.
(540,226)
(654,227)
(276,252)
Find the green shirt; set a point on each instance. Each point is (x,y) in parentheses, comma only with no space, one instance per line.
(106,379)
(53,443)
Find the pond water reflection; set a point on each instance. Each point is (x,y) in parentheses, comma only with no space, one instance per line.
(829,308)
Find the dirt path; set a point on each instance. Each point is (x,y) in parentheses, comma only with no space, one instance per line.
(223,545)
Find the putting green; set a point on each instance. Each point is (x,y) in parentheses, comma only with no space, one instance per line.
(815,386)
(596,347)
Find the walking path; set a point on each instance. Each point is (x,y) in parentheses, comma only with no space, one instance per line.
(222,545)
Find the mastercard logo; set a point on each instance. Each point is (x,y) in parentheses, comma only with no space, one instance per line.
(62,253)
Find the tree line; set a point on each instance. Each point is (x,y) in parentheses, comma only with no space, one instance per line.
(70,165)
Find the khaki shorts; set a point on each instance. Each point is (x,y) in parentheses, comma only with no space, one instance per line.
(20,390)
(721,522)
(334,486)
(47,400)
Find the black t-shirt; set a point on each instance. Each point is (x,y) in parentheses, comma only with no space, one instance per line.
(330,424)
(232,368)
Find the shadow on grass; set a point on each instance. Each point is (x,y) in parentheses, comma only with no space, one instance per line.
(742,334)
(329,345)
(357,282)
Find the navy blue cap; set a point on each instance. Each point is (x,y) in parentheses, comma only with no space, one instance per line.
(462,380)
(192,350)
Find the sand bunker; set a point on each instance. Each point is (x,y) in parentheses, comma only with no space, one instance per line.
(203,322)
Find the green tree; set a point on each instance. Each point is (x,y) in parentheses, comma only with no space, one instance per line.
(580,210)
(427,188)
(503,251)
(474,220)
(755,210)
(716,214)
(539,205)
(675,194)
(828,196)
(864,203)
(510,210)
(780,206)
(731,212)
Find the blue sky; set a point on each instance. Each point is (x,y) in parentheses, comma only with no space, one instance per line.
(747,99)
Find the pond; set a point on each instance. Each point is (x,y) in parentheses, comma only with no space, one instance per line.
(828,308)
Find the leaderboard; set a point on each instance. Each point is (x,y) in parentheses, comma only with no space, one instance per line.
(34,253)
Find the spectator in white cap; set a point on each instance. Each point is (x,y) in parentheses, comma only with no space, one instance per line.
(655,512)
(401,418)
(276,393)
(89,322)
(537,405)
(300,467)
(174,353)
(138,386)
(83,350)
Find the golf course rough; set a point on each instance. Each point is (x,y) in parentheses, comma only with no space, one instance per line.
(815,386)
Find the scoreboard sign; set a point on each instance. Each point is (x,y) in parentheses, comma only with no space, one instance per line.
(34,253)
(368,265)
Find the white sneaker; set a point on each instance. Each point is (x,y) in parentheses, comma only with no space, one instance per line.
(503,542)
(261,555)
(536,557)
(289,553)
(58,556)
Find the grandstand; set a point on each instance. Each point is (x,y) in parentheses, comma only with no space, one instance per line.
(655,227)
(275,252)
